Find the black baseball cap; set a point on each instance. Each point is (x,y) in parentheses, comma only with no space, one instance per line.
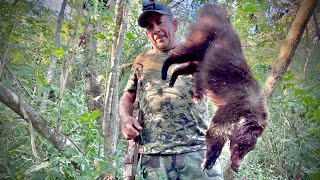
(151,8)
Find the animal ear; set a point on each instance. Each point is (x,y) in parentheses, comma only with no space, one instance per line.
(256,131)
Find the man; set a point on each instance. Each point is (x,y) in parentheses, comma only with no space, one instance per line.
(173,125)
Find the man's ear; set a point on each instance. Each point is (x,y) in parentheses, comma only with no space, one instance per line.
(175,25)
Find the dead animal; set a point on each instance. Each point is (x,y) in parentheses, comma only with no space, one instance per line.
(213,54)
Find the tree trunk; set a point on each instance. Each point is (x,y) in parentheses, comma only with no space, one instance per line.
(53,62)
(110,118)
(92,87)
(114,116)
(289,46)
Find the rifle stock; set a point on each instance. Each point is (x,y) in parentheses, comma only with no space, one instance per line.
(132,150)
(132,153)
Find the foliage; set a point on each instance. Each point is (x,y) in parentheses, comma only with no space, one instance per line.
(291,140)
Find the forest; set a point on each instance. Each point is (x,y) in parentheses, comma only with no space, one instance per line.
(63,70)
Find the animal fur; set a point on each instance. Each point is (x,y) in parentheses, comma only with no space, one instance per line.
(213,54)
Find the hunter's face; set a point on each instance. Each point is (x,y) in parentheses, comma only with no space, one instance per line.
(161,31)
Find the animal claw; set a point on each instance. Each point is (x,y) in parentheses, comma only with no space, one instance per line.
(171,84)
(164,76)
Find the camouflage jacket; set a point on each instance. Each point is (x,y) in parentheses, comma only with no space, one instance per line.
(172,122)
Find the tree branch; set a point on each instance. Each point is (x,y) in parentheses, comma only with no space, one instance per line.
(289,46)
(58,140)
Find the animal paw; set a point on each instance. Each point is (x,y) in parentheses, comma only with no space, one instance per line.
(206,165)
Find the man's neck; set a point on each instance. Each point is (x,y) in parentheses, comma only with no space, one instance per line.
(162,50)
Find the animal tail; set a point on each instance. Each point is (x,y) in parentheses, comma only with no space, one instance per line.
(214,22)
(212,19)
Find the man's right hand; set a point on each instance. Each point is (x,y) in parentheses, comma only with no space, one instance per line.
(130,127)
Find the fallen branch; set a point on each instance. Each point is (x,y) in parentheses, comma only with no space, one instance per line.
(60,141)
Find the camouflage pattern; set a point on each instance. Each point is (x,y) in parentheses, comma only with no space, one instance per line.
(180,166)
(172,122)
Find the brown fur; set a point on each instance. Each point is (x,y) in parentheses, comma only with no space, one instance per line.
(213,52)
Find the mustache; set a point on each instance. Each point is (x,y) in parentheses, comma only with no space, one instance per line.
(159,37)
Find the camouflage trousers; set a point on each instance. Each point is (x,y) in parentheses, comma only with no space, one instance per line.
(178,167)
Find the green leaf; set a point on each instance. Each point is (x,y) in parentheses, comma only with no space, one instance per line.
(78,159)
(93,21)
(95,114)
(100,36)
(15,57)
(315,131)
(55,173)
(316,114)
(47,52)
(298,92)
(315,176)
(106,19)
(83,20)
(130,36)
(86,116)
(264,6)
(59,52)
(309,90)
(42,81)
(290,85)
(288,76)
(72,150)
(30,20)
(80,30)
(37,167)
(14,38)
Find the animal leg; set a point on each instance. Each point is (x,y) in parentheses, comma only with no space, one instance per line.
(192,50)
(183,69)
(216,136)
(176,58)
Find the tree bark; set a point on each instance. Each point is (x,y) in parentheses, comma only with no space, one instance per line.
(111,118)
(289,46)
(92,87)
(115,96)
(33,143)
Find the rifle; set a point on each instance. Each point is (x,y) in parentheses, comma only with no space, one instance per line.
(132,150)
